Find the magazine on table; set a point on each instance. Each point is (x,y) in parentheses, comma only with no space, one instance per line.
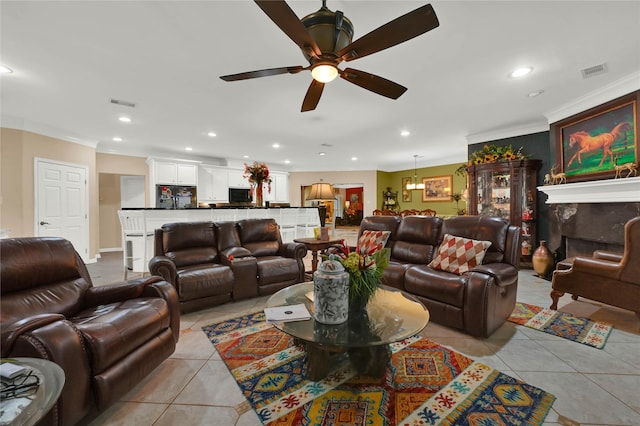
(287,313)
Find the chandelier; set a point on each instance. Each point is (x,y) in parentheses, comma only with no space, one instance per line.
(415,185)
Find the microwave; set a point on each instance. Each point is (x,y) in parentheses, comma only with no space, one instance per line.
(239,195)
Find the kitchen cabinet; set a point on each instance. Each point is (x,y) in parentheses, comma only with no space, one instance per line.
(507,189)
(212,184)
(173,173)
(279,188)
(236,179)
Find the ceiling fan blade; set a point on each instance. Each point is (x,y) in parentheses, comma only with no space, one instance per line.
(286,19)
(312,97)
(399,30)
(371,82)
(262,73)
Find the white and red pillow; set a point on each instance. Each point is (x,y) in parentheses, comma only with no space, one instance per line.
(459,255)
(372,241)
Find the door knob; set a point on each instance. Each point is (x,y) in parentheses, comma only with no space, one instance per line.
(44,223)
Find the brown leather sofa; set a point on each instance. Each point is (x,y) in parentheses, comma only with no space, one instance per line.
(105,338)
(477,302)
(606,277)
(212,263)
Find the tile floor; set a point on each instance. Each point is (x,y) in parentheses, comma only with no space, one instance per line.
(592,386)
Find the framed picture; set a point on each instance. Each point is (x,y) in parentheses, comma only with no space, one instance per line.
(592,144)
(406,194)
(437,188)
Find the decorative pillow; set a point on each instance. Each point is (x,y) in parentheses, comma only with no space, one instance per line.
(372,241)
(459,255)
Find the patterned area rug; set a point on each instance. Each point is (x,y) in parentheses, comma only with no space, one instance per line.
(561,324)
(425,384)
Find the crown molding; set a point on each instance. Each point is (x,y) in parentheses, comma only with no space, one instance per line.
(604,94)
(508,132)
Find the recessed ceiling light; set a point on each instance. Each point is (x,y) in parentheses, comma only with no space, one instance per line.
(287,162)
(117,139)
(245,156)
(5,70)
(521,72)
(124,119)
(405,133)
(322,153)
(354,158)
(276,145)
(536,93)
(211,134)
(188,148)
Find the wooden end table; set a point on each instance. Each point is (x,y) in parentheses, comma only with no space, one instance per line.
(315,245)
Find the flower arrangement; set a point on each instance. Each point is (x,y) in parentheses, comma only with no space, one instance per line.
(365,267)
(492,153)
(257,174)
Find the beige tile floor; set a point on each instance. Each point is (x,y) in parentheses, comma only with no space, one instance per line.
(592,386)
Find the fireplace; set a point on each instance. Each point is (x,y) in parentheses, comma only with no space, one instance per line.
(589,216)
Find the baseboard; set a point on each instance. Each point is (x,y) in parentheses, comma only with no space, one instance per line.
(107,250)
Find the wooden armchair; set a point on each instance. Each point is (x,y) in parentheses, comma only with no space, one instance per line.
(606,277)
(427,212)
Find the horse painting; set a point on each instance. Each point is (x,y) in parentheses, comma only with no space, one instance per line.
(590,143)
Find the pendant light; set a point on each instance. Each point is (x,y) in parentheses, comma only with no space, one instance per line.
(415,185)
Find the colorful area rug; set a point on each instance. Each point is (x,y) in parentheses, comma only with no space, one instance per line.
(425,384)
(561,324)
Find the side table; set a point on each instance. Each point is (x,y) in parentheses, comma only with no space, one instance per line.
(314,245)
(27,408)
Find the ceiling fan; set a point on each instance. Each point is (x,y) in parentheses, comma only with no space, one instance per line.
(325,40)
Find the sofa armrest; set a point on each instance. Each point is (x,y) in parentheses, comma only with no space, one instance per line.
(233,253)
(118,292)
(165,268)
(607,255)
(166,291)
(58,340)
(11,331)
(601,268)
(293,250)
(503,274)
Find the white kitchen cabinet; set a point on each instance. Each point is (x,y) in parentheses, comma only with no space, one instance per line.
(173,173)
(279,188)
(235,179)
(213,184)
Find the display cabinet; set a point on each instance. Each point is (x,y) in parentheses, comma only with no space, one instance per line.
(389,199)
(507,189)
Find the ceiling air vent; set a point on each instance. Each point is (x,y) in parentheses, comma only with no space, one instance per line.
(594,70)
(122,103)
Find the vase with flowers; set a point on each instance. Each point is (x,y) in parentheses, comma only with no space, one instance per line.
(365,266)
(257,174)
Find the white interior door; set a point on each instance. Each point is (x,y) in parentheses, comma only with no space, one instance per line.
(61,203)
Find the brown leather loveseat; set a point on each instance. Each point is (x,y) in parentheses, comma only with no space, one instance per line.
(105,338)
(478,301)
(210,263)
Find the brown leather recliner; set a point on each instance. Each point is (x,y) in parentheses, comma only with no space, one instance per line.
(211,263)
(105,338)
(606,277)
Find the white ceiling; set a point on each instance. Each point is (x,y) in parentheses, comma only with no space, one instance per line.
(69,58)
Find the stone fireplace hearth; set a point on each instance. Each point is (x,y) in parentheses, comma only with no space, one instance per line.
(588,216)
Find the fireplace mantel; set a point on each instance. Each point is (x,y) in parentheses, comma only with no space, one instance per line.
(598,191)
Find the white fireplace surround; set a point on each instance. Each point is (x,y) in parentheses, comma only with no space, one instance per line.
(621,190)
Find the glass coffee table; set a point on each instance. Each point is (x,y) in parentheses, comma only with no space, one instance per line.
(391,315)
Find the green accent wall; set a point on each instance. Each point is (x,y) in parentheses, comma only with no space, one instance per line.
(393,180)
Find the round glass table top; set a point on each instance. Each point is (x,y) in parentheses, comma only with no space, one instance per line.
(29,403)
(391,315)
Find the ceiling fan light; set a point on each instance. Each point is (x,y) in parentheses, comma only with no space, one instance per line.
(324,73)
